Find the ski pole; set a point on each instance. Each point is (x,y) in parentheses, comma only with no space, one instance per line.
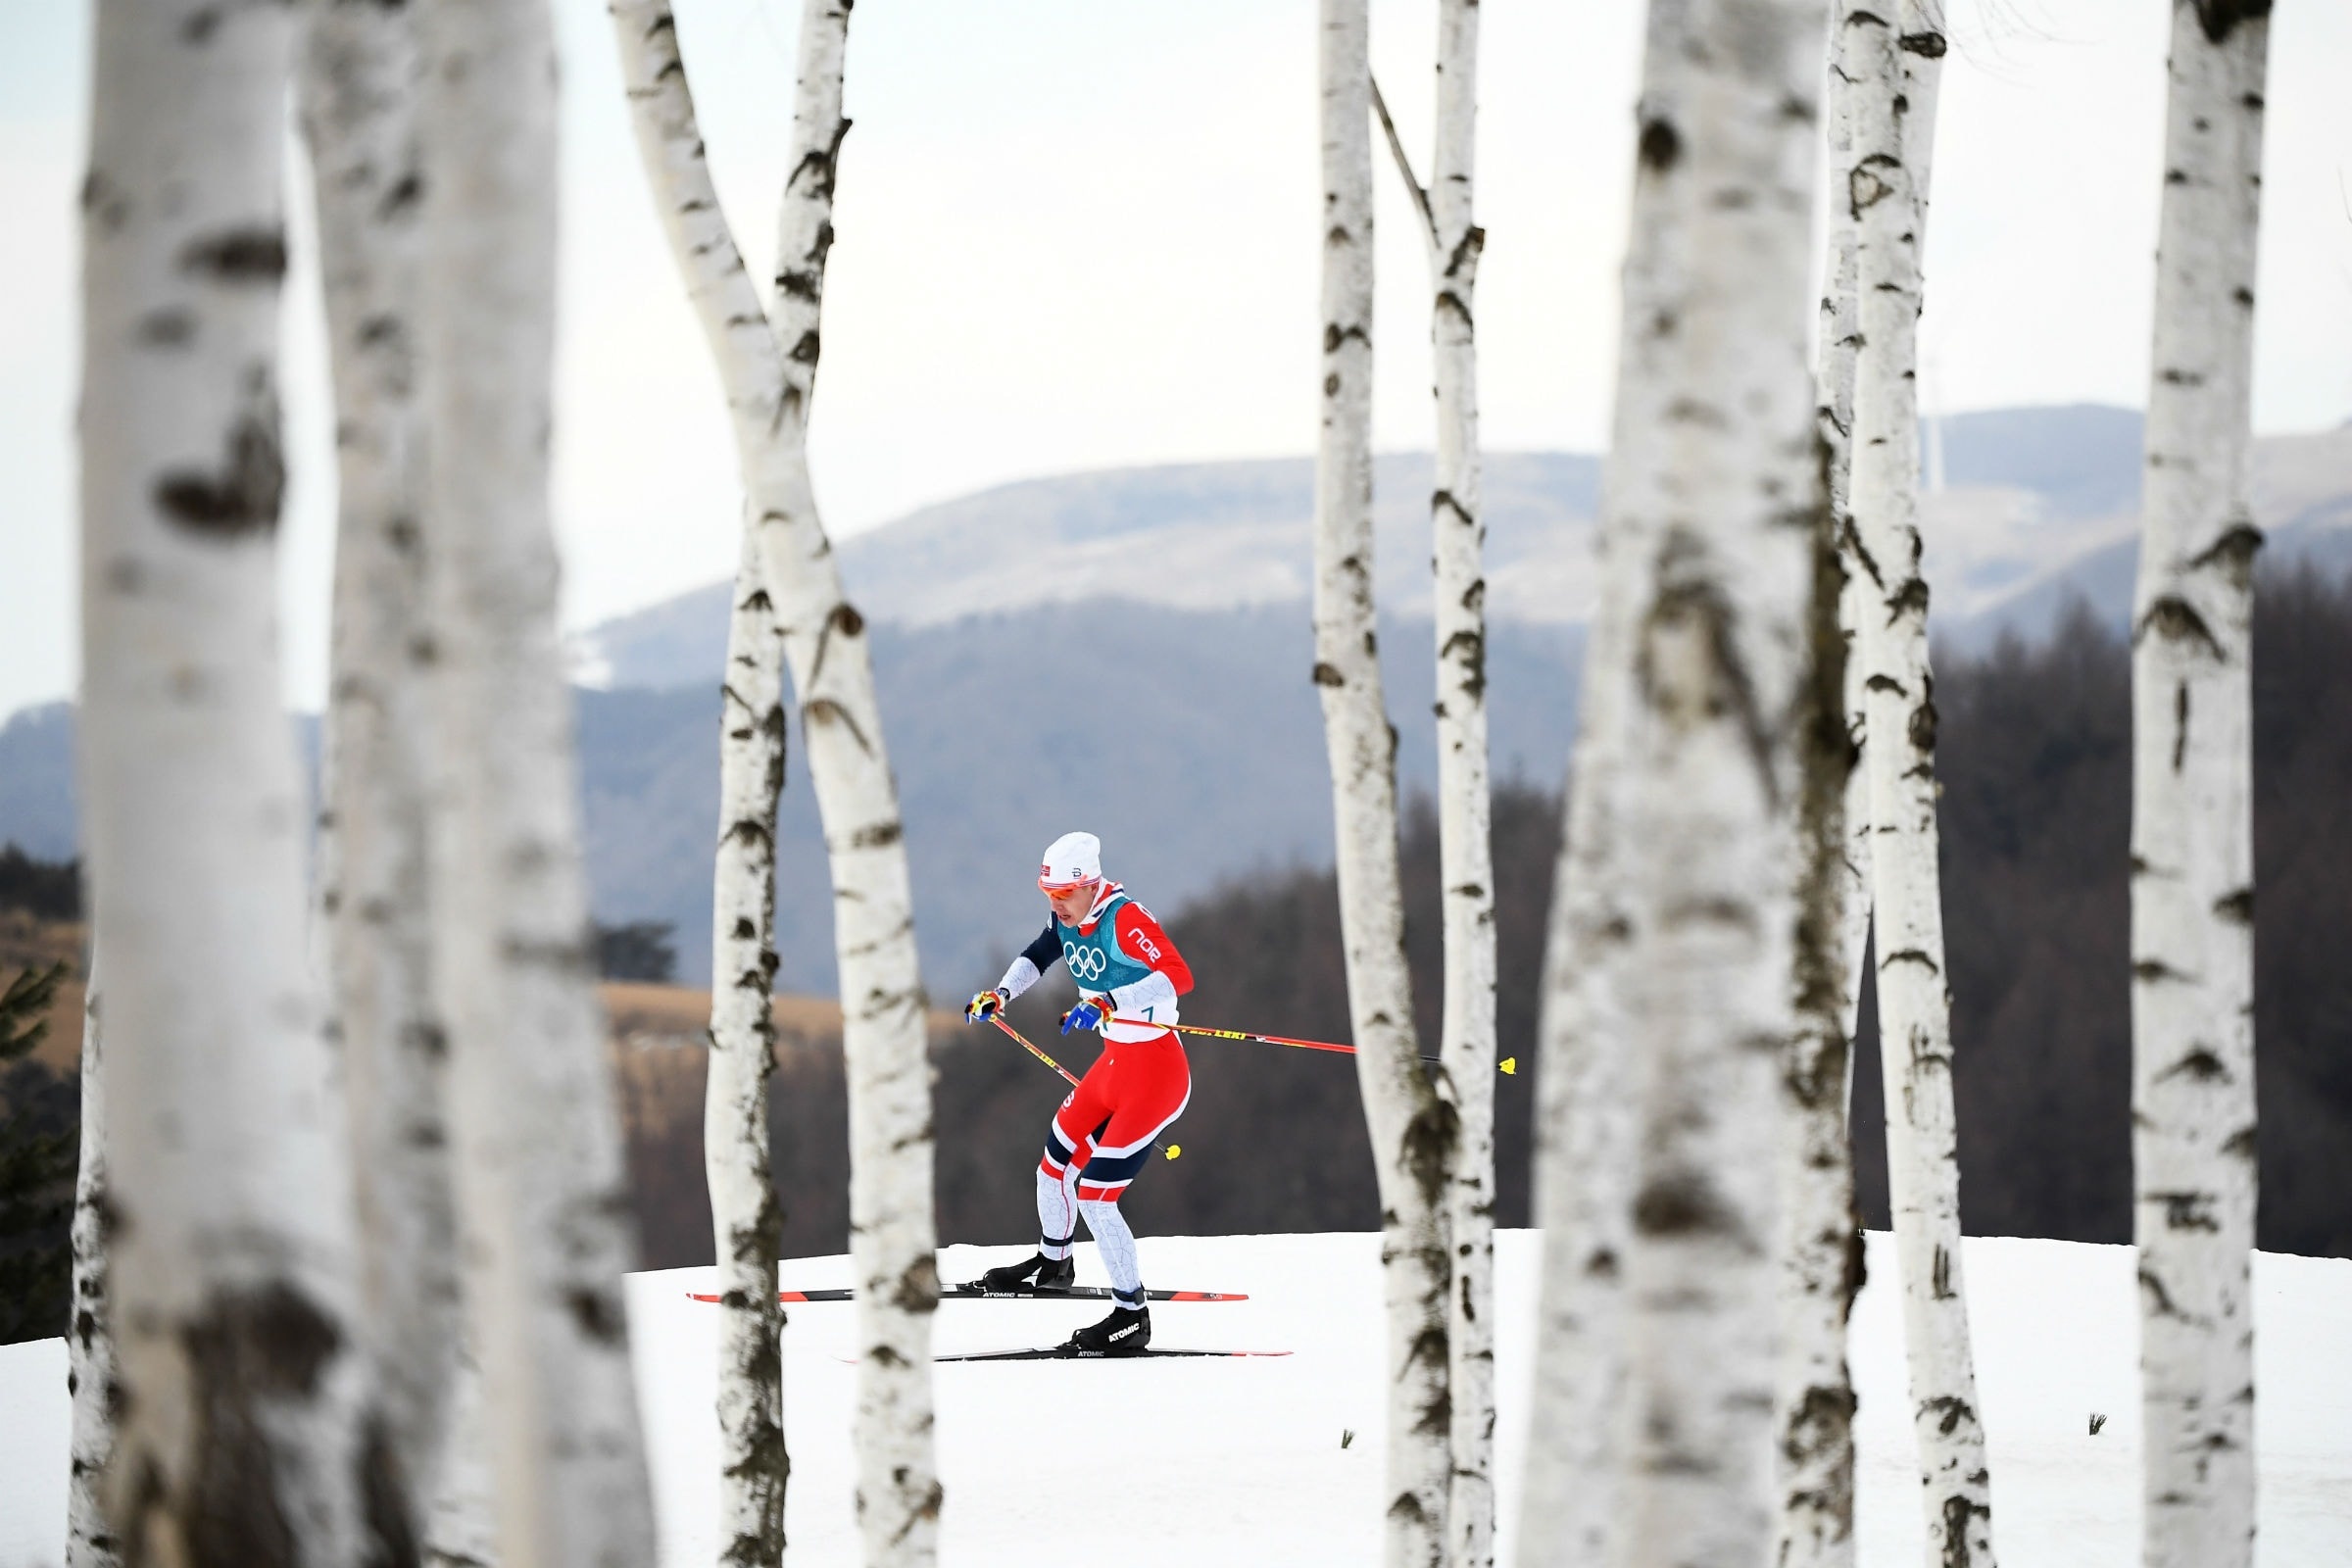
(1509,1064)
(1022,1041)
(1171,1150)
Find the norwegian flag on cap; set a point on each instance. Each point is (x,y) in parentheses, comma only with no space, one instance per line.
(1072,860)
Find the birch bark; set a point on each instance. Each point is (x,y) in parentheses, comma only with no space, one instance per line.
(1412,1131)
(97,1389)
(1585,1128)
(1821,1242)
(1839,345)
(537,1152)
(2192,872)
(356,84)
(1893,77)
(1465,847)
(768,366)
(1723,493)
(461,1522)
(745,1221)
(1591,1077)
(244,1431)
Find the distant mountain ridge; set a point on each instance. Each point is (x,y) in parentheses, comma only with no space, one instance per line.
(2033,505)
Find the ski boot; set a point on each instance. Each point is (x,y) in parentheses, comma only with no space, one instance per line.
(1039,1274)
(1125,1332)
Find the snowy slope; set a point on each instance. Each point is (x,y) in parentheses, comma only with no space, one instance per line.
(1187,1462)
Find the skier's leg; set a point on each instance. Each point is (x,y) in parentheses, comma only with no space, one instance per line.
(1057,1211)
(1152,1090)
(1116,1243)
(1069,1144)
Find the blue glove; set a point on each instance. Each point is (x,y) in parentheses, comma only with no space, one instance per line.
(1091,1013)
(984,1005)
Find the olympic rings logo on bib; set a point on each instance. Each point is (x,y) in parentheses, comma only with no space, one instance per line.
(1085,964)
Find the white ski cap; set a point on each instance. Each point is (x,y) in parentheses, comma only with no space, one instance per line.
(1071,860)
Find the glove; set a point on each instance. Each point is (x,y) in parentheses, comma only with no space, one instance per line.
(984,1005)
(1091,1013)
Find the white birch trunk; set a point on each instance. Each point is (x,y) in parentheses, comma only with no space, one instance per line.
(240,1436)
(358,83)
(89,1340)
(1412,1131)
(460,1522)
(2192,862)
(1592,1071)
(537,1145)
(1883,181)
(1839,342)
(1820,1244)
(746,1224)
(1723,492)
(768,366)
(1465,844)
(1583,1122)
(1821,1247)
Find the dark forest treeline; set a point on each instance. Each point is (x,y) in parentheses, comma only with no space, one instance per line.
(2035,754)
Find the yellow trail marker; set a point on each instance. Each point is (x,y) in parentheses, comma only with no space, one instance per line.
(1510,1066)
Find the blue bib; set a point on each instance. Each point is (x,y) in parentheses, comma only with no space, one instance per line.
(1095,962)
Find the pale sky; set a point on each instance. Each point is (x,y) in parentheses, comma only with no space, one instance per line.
(1081,233)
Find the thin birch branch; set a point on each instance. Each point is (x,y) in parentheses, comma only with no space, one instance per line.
(1405,164)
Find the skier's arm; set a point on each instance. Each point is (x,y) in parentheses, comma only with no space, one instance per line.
(1142,939)
(1035,960)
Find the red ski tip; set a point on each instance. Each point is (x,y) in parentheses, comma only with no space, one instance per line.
(781,1295)
(1209,1296)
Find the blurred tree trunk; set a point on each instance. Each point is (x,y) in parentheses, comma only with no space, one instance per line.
(90,1541)
(1592,1070)
(768,366)
(1896,65)
(1584,1127)
(1719,494)
(537,1148)
(746,1222)
(2193,849)
(461,1512)
(1821,1238)
(244,1427)
(357,81)
(1412,1131)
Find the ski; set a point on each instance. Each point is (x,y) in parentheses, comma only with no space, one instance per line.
(973,1292)
(976,1292)
(1070,1352)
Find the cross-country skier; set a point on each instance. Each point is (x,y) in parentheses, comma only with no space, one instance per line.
(1129,975)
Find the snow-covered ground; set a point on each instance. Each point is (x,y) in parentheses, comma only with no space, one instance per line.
(1243,1461)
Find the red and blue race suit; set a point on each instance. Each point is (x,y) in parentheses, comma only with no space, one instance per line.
(1103,1132)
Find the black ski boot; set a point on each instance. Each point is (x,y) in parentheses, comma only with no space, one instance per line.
(1125,1332)
(1039,1273)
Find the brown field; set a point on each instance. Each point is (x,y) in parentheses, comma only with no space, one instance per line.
(659,1044)
(29,943)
